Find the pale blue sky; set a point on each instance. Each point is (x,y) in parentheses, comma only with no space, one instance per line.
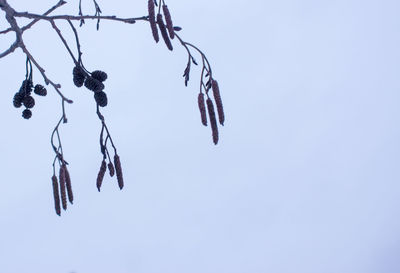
(305,178)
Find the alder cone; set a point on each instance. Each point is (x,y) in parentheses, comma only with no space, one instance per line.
(17,100)
(93,84)
(101,98)
(29,102)
(99,75)
(40,90)
(78,76)
(27,114)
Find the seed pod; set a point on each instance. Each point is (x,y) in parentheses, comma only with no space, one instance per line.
(218,101)
(69,185)
(168,21)
(101,98)
(111,169)
(118,171)
(93,84)
(79,76)
(99,75)
(56,195)
(40,90)
(202,108)
(63,188)
(27,114)
(213,121)
(29,102)
(163,31)
(17,100)
(100,175)
(152,20)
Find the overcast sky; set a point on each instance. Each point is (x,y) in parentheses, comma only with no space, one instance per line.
(305,178)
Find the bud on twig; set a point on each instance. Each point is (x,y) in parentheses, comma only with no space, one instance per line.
(100,175)
(56,195)
(202,108)
(213,121)
(168,21)
(218,101)
(118,171)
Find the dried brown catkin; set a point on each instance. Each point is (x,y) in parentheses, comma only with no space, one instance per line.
(168,21)
(63,188)
(213,121)
(218,101)
(56,195)
(68,184)
(118,171)
(163,31)
(202,108)
(111,169)
(152,20)
(100,175)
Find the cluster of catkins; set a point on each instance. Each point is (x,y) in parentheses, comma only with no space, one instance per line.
(167,30)
(92,81)
(23,97)
(62,187)
(213,84)
(112,171)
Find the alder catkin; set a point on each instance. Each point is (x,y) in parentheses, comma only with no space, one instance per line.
(111,169)
(152,20)
(168,21)
(213,121)
(163,31)
(63,188)
(56,195)
(118,171)
(68,184)
(100,175)
(202,108)
(218,101)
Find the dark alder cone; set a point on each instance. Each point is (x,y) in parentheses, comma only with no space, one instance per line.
(168,21)
(56,195)
(118,171)
(78,76)
(29,102)
(93,84)
(100,175)
(213,120)
(17,100)
(69,185)
(101,98)
(40,90)
(163,31)
(26,87)
(99,75)
(152,20)
(202,108)
(111,169)
(63,188)
(27,114)
(218,101)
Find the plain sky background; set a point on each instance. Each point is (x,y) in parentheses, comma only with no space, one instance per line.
(305,178)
